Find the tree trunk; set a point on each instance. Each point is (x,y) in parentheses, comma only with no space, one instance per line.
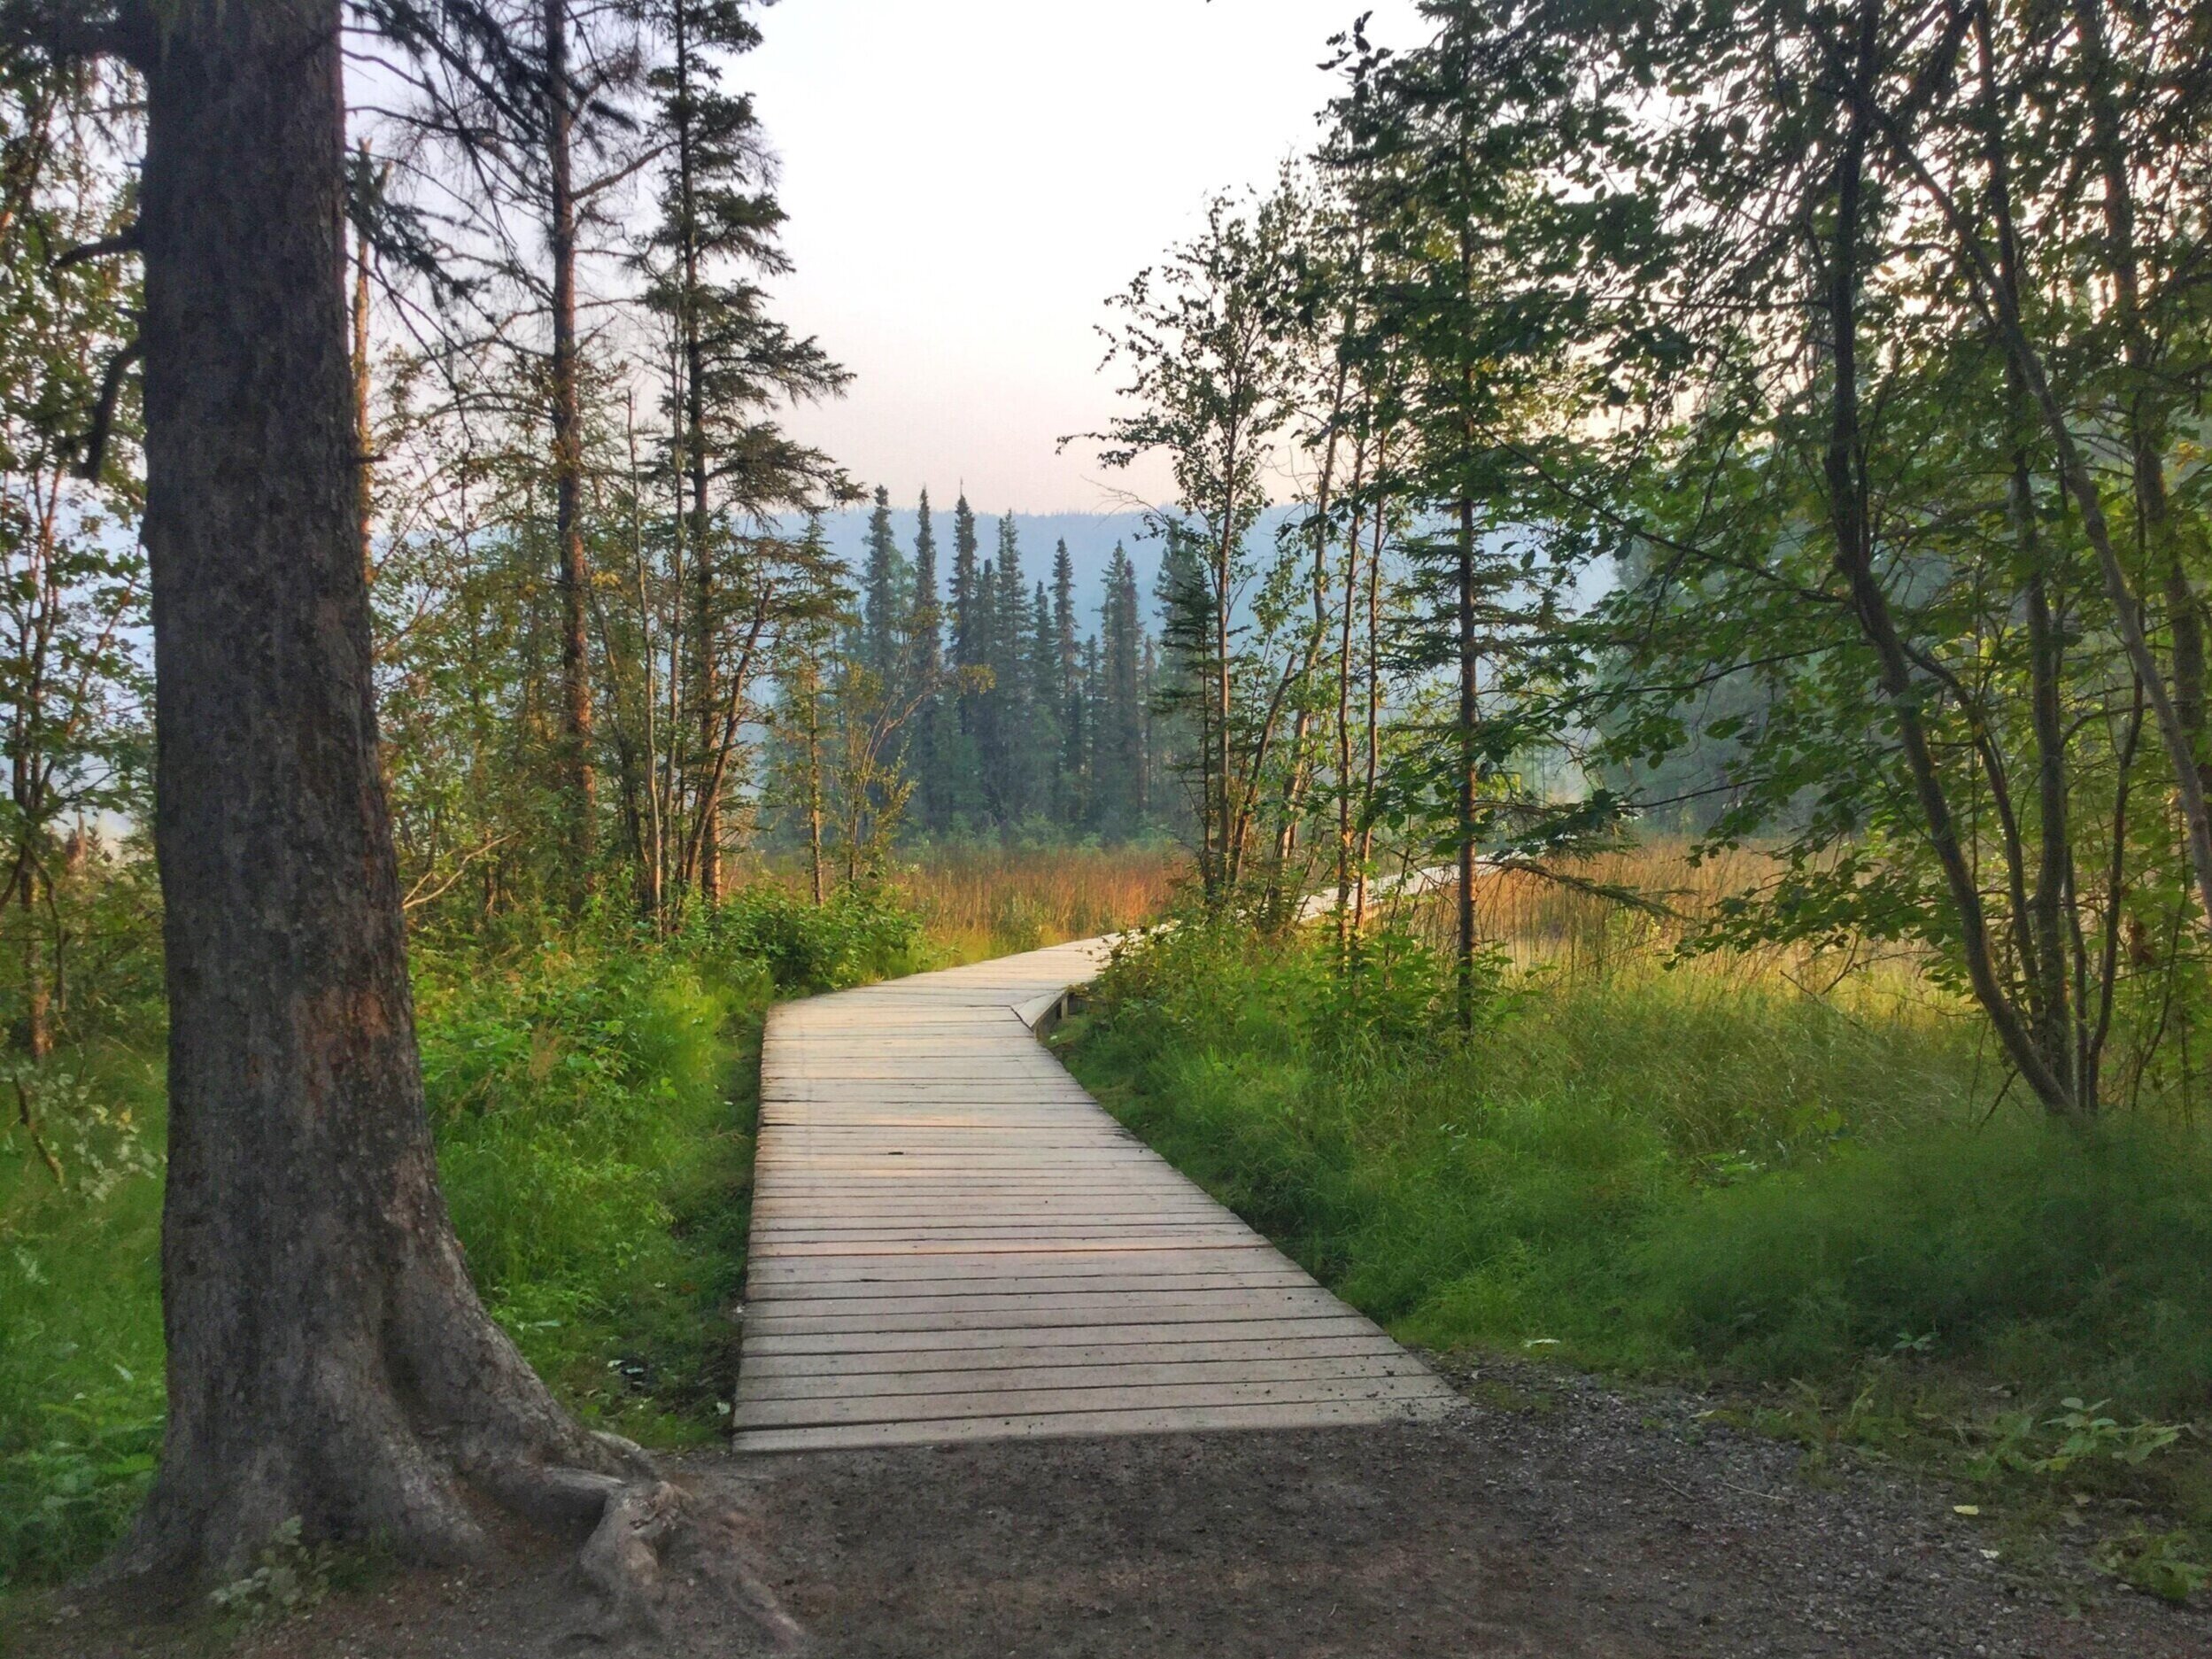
(1465,827)
(2074,470)
(1843,468)
(1373,733)
(568,455)
(363,434)
(38,1031)
(327,1358)
(1345,742)
(2146,421)
(703,573)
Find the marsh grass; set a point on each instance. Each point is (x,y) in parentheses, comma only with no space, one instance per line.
(985,902)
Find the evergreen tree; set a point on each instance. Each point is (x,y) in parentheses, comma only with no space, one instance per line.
(1046,725)
(1007,754)
(983,702)
(1082,743)
(926,669)
(1067,693)
(1118,763)
(885,582)
(966,650)
(717,235)
(1181,678)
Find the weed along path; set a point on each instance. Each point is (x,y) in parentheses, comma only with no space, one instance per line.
(952,1241)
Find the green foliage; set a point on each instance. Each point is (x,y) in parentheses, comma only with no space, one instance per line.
(862,932)
(81,1361)
(1682,1173)
(2058,1259)
(589,1148)
(591,1088)
(2166,1565)
(288,1578)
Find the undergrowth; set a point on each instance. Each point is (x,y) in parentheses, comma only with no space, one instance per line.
(1695,1174)
(591,1090)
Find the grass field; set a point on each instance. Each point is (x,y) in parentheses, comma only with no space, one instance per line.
(1785,1173)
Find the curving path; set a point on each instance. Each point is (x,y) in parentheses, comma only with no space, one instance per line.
(952,1241)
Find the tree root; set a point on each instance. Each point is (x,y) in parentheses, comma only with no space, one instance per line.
(640,1522)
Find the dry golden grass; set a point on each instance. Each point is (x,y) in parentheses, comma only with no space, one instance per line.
(1576,932)
(990,901)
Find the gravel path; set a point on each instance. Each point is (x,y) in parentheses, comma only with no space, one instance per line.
(1587,1522)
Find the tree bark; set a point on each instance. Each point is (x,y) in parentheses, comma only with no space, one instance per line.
(579,782)
(1464,975)
(364,435)
(703,571)
(327,1358)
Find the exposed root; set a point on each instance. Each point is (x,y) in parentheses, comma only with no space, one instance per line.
(637,1523)
(621,1558)
(647,1522)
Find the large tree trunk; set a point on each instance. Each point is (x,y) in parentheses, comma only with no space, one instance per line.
(327,1358)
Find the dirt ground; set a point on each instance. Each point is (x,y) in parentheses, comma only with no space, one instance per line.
(1576,1521)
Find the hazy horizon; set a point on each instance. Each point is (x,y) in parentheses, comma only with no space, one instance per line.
(1039,157)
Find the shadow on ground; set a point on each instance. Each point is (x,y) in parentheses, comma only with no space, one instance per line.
(1585,1523)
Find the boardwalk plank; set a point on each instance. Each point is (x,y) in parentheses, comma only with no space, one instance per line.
(951,1241)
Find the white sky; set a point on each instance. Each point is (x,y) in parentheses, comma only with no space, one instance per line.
(968,180)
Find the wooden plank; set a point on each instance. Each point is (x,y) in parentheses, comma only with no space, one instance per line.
(877,1341)
(1006,1306)
(1125,1374)
(1168,1275)
(1320,1414)
(1012,1247)
(772,1319)
(766,1367)
(1116,1396)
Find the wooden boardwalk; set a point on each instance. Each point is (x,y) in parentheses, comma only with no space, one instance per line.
(952,1241)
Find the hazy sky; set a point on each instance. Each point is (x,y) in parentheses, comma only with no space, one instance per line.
(968,180)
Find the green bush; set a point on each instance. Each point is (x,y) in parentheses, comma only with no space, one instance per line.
(2054,1257)
(1668,1172)
(80,1375)
(862,932)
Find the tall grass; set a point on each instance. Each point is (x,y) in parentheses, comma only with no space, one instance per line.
(80,1351)
(591,1089)
(986,901)
(1780,1171)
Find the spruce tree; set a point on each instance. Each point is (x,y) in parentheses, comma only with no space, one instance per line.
(1067,693)
(966,648)
(1007,757)
(1082,742)
(1181,683)
(884,604)
(1044,726)
(925,671)
(1118,746)
(715,236)
(984,702)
